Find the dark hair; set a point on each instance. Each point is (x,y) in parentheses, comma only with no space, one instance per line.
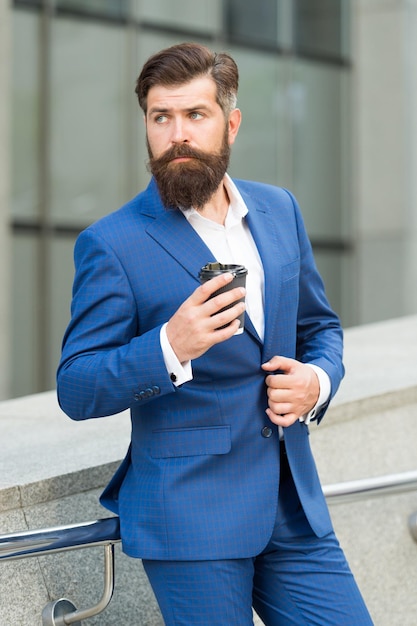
(182,63)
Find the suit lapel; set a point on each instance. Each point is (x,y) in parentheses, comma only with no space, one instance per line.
(171,230)
(266,236)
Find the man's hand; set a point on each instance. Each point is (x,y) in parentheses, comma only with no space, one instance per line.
(191,331)
(291,393)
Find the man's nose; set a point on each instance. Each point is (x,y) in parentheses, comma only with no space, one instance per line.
(179,132)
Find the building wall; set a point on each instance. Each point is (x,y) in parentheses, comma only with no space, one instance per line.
(4,196)
(78,136)
(329,104)
(384,101)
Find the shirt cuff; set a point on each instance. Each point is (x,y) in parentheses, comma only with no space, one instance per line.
(324,394)
(179,373)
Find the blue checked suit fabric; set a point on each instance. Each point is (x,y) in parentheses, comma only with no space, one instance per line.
(199,480)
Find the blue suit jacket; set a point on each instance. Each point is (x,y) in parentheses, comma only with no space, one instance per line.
(199,480)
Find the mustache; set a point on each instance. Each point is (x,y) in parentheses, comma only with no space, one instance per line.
(177,151)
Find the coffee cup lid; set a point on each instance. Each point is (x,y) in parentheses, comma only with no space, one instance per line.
(216,268)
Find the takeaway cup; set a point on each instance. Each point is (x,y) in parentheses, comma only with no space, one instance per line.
(210,270)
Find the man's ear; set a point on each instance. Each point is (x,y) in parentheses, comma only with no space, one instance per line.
(233,124)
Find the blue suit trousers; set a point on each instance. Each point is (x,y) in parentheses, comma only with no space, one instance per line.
(297,580)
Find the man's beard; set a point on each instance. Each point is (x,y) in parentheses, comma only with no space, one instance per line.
(189,183)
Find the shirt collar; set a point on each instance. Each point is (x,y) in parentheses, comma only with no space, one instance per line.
(237,207)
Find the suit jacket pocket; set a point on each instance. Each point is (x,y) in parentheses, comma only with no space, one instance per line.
(290,270)
(176,442)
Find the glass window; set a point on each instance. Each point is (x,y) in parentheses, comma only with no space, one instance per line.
(61,270)
(28,2)
(110,8)
(259,151)
(319,118)
(202,16)
(25,318)
(331,265)
(252,23)
(89,160)
(25,115)
(318,26)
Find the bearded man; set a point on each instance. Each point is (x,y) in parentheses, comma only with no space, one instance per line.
(218,493)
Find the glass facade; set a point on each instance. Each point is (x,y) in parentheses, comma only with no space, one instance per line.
(78,135)
(108,8)
(88,160)
(320,28)
(253,23)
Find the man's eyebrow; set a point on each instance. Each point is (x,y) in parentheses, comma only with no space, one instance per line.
(162,109)
(197,107)
(158,110)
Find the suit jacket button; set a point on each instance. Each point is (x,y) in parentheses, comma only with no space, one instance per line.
(266,432)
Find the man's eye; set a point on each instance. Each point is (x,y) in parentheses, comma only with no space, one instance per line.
(195,115)
(160,119)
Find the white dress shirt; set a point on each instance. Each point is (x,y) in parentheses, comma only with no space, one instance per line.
(233,243)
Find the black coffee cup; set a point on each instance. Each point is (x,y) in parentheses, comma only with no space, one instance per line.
(210,270)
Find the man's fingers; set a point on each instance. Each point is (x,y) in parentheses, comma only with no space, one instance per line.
(279,363)
(221,334)
(226,299)
(293,391)
(206,290)
(284,420)
(221,317)
(213,304)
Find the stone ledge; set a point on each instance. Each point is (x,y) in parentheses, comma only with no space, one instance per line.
(39,442)
(379,358)
(44,455)
(57,487)
(373,404)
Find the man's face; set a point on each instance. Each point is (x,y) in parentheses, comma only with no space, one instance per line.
(188,141)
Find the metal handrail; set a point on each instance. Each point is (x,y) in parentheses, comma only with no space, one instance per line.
(106,532)
(378,486)
(48,540)
(63,612)
(103,532)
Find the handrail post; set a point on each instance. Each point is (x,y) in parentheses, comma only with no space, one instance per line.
(62,612)
(412,525)
(54,613)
